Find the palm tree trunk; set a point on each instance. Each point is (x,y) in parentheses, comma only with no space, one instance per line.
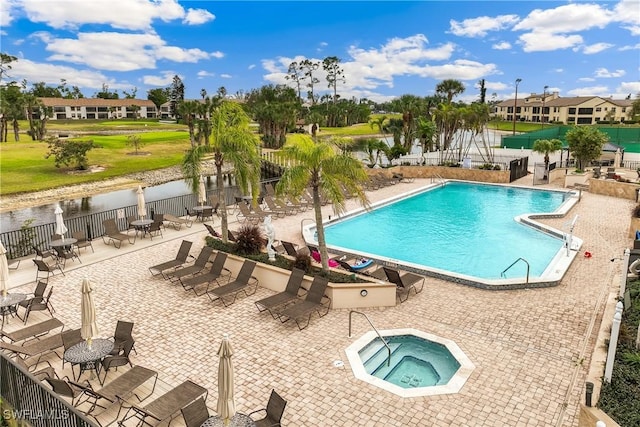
(223,202)
(322,244)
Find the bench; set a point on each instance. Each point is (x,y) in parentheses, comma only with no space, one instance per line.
(165,406)
(33,331)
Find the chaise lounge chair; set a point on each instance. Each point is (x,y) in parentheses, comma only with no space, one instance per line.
(164,407)
(180,259)
(242,283)
(246,215)
(289,294)
(112,234)
(305,308)
(197,267)
(405,283)
(217,271)
(177,222)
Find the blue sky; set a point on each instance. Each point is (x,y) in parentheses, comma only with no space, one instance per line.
(386,48)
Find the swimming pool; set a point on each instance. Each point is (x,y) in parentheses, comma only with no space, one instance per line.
(472,232)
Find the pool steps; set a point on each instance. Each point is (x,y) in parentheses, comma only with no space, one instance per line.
(379,355)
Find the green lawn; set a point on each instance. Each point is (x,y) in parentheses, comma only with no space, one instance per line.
(89,125)
(25,169)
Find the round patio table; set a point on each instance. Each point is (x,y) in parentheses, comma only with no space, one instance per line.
(238,420)
(88,358)
(8,302)
(67,241)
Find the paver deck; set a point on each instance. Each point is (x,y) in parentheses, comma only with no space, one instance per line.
(531,348)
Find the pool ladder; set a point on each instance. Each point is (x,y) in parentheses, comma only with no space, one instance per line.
(514,263)
(374,328)
(439,179)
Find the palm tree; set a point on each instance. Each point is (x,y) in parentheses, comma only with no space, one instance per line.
(232,141)
(449,88)
(319,166)
(378,122)
(188,111)
(546,147)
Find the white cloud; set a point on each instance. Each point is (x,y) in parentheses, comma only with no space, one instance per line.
(164,79)
(558,70)
(217,54)
(629,47)
(628,11)
(540,41)
(590,91)
(501,46)
(568,18)
(495,86)
(7,8)
(226,76)
(479,27)
(596,48)
(251,67)
(198,16)
(629,87)
(633,29)
(125,14)
(50,74)
(604,73)
(202,74)
(586,79)
(119,51)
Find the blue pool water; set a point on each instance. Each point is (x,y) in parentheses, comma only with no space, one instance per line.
(415,362)
(459,227)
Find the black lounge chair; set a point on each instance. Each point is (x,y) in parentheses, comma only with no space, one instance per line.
(405,283)
(281,210)
(289,294)
(212,231)
(217,271)
(180,259)
(289,248)
(246,215)
(177,222)
(196,413)
(112,234)
(164,407)
(273,411)
(242,283)
(197,267)
(305,308)
(33,332)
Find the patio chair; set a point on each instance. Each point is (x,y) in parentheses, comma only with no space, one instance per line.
(164,407)
(70,337)
(246,215)
(197,267)
(114,361)
(180,259)
(39,304)
(212,232)
(130,226)
(597,172)
(37,293)
(242,283)
(82,241)
(45,255)
(121,336)
(207,213)
(67,388)
(112,234)
(190,214)
(195,413)
(40,374)
(155,229)
(305,308)
(280,299)
(159,217)
(214,201)
(216,272)
(177,222)
(405,283)
(273,411)
(65,254)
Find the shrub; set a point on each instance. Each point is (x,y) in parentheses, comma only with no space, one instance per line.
(635,212)
(250,240)
(496,167)
(69,152)
(302,262)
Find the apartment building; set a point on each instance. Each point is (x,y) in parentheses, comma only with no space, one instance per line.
(551,108)
(98,108)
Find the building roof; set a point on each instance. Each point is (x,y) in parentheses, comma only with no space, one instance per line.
(566,102)
(95,102)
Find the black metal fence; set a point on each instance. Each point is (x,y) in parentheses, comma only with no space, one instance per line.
(19,243)
(518,168)
(27,399)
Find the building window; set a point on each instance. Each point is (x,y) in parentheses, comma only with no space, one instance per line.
(585,111)
(584,120)
(572,110)
(598,109)
(613,109)
(624,109)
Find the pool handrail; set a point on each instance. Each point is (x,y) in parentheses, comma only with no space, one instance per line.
(514,263)
(374,328)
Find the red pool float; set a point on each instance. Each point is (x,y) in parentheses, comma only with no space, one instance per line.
(587,254)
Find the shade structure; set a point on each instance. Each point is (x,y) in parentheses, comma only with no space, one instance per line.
(61,229)
(4,271)
(142,206)
(89,328)
(202,192)
(226,408)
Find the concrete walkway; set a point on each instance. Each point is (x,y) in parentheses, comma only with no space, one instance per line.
(531,348)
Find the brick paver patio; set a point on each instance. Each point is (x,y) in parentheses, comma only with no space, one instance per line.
(531,348)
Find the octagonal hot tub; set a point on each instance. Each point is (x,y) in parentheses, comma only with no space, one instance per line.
(421,364)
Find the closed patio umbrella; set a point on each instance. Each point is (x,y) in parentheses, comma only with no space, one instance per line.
(202,192)
(4,271)
(89,328)
(617,159)
(60,227)
(142,207)
(226,408)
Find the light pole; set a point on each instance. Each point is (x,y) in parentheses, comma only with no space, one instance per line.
(544,98)
(515,106)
